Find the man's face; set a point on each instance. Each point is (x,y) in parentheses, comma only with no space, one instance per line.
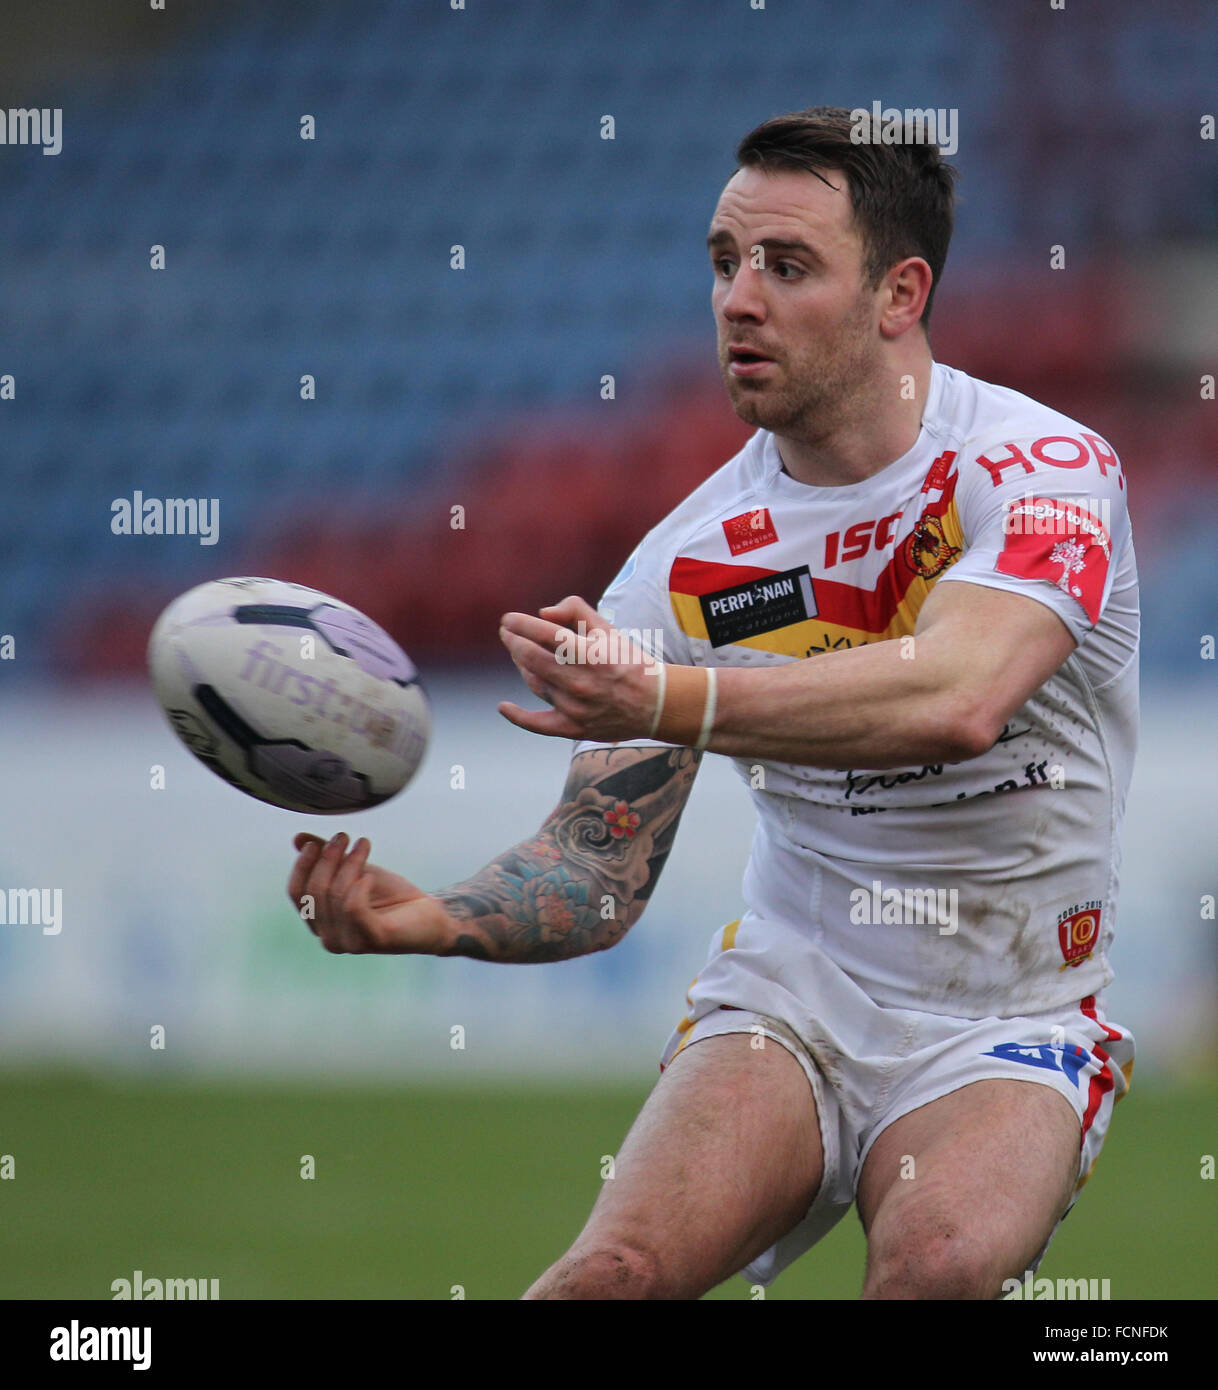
(807,312)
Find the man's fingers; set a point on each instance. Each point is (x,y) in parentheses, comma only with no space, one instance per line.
(557,623)
(324,868)
(532,659)
(546,634)
(522,647)
(348,873)
(547,721)
(572,611)
(309,847)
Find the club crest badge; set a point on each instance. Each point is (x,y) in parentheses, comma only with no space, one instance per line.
(1078,933)
(926,549)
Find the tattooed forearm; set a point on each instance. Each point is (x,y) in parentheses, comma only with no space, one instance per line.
(583,881)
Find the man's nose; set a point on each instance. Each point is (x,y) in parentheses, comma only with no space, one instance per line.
(744,298)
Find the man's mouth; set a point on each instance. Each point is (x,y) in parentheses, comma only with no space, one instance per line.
(744,361)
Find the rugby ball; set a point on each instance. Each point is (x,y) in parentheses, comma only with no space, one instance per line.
(290,695)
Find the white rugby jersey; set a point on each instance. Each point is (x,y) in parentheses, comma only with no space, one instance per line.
(755,568)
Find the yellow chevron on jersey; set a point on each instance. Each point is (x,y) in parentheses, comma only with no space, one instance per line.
(846,616)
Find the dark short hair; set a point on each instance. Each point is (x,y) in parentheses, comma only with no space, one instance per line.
(902,194)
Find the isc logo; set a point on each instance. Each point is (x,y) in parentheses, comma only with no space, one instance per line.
(858,539)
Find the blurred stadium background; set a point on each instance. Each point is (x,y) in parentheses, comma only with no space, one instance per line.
(481,388)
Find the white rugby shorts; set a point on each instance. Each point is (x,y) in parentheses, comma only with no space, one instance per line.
(868,1065)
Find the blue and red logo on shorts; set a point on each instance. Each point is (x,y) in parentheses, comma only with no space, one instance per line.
(1070,1059)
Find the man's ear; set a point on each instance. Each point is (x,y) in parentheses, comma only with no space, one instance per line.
(908,285)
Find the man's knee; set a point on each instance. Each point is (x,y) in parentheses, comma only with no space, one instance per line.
(932,1260)
(609,1269)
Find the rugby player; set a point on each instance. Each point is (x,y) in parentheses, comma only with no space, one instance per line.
(909,1016)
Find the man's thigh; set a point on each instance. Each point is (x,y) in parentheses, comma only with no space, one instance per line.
(723,1159)
(964,1192)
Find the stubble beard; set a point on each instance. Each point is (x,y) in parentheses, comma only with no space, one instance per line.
(822,390)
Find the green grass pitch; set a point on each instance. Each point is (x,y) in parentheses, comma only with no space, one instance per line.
(420,1188)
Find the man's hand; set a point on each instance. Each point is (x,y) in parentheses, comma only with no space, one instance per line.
(353,907)
(601,685)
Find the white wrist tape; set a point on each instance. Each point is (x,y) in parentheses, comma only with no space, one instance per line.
(662,683)
(688,700)
(708,713)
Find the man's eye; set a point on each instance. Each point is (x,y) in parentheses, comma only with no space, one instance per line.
(719,264)
(788,265)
